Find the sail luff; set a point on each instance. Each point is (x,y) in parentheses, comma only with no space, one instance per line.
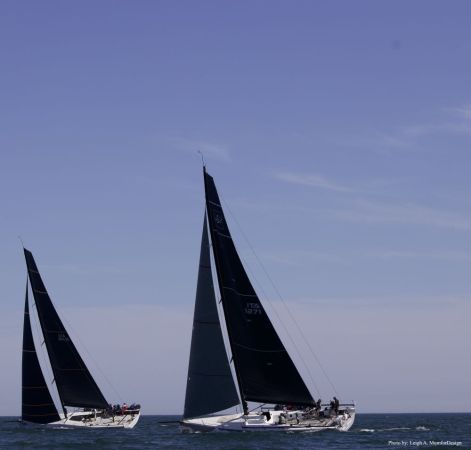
(36,402)
(75,384)
(210,385)
(264,369)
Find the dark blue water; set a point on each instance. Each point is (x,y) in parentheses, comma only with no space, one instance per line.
(375,431)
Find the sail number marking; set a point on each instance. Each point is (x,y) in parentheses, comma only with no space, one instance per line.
(62,337)
(253,308)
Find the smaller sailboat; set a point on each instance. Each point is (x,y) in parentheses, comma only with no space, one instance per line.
(76,387)
(263,369)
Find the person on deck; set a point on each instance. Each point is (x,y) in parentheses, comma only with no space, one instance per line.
(336,405)
(332,408)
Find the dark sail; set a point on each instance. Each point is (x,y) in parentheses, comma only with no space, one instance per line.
(75,384)
(264,368)
(210,386)
(37,405)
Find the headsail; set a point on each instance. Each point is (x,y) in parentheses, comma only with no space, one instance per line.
(264,368)
(36,402)
(210,386)
(75,383)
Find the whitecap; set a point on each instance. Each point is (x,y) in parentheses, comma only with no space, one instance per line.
(422,428)
(367,430)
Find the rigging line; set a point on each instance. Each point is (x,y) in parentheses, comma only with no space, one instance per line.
(91,357)
(77,357)
(252,274)
(280,320)
(272,307)
(258,406)
(283,302)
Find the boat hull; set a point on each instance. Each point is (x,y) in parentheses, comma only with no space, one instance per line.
(271,420)
(208,423)
(87,419)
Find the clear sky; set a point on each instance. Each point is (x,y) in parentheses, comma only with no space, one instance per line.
(337,132)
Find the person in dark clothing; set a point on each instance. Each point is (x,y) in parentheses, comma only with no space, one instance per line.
(336,405)
(332,408)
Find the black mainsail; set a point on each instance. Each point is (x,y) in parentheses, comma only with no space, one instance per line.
(75,384)
(264,369)
(210,385)
(36,402)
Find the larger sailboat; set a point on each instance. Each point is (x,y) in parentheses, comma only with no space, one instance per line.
(75,385)
(263,369)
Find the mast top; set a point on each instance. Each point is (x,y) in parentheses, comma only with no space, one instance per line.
(202,159)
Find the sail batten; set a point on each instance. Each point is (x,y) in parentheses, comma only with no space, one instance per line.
(75,384)
(36,403)
(210,386)
(264,369)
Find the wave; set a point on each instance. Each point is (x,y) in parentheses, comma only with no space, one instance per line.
(368,430)
(422,428)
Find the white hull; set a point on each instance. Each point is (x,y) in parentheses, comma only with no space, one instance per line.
(271,421)
(208,423)
(88,419)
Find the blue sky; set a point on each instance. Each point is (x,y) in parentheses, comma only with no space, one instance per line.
(338,134)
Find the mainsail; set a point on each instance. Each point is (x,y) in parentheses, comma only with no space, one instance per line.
(264,369)
(75,384)
(36,402)
(210,386)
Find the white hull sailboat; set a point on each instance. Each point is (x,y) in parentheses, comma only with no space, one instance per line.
(92,419)
(273,420)
(264,371)
(75,385)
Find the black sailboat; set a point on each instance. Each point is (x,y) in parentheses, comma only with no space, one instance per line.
(75,384)
(264,371)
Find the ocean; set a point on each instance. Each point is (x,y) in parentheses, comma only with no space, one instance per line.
(370,431)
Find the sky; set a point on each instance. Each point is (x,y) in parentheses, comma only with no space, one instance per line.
(338,134)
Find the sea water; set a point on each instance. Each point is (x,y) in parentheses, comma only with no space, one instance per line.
(370,431)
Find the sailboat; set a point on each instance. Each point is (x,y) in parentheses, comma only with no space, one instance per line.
(263,372)
(76,387)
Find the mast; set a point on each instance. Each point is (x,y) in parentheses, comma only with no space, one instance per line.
(221,290)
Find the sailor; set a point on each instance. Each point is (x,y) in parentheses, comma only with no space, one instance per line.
(318,405)
(336,405)
(332,408)
(124,408)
